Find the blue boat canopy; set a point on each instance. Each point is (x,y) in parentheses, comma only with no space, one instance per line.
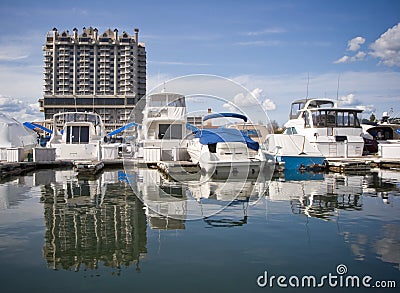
(126,126)
(219,115)
(34,125)
(211,136)
(191,127)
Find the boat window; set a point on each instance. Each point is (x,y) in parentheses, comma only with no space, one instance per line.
(330,118)
(306,119)
(333,118)
(84,134)
(170,131)
(68,135)
(322,104)
(157,101)
(212,148)
(177,103)
(290,130)
(77,134)
(294,112)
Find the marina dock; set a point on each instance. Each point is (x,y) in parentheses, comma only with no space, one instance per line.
(8,169)
(360,164)
(179,170)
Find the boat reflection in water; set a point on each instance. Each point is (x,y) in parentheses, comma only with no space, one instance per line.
(91,222)
(319,195)
(331,197)
(168,203)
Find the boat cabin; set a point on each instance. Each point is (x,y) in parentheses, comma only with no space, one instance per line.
(165,116)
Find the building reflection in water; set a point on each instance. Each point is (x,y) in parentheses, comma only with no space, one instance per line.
(91,222)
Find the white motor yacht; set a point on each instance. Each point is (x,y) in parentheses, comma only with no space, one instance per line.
(163,128)
(77,136)
(334,131)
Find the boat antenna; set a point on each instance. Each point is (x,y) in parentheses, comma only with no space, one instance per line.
(308,82)
(337,89)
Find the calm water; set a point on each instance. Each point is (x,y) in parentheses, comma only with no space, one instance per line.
(63,234)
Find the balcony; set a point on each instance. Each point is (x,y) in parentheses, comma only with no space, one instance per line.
(104,66)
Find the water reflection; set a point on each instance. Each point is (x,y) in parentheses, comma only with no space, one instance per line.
(370,226)
(95,223)
(321,197)
(14,191)
(89,222)
(169,204)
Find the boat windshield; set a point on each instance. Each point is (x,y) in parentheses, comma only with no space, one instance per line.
(294,112)
(299,105)
(77,117)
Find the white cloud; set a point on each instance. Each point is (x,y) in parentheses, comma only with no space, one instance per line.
(19,109)
(387,47)
(268,105)
(360,55)
(255,97)
(355,44)
(343,59)
(267,31)
(259,43)
(351,101)
(347,59)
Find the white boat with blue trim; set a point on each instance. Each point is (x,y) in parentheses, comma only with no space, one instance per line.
(294,151)
(225,151)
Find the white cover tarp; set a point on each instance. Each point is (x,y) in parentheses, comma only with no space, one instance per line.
(14,134)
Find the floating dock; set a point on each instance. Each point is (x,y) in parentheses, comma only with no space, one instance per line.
(88,167)
(348,165)
(179,170)
(16,168)
(360,164)
(8,169)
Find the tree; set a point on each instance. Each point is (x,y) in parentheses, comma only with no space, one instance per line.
(275,127)
(372,118)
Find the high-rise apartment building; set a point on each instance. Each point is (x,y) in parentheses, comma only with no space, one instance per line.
(105,73)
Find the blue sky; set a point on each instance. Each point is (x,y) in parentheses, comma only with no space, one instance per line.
(270,47)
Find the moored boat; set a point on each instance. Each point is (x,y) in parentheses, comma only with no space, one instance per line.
(334,131)
(225,151)
(77,136)
(295,151)
(163,128)
(16,141)
(384,137)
